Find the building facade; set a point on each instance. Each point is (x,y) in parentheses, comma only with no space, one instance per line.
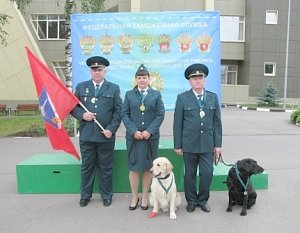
(253,43)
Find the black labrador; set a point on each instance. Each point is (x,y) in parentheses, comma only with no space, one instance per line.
(239,185)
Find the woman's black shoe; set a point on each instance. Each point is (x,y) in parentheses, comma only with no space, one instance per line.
(144,207)
(134,207)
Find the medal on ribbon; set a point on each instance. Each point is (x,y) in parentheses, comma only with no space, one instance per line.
(201,104)
(142,97)
(142,107)
(202,113)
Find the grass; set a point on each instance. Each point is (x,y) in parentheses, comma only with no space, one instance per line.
(10,125)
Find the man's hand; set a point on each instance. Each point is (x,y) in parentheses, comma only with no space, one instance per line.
(88,116)
(179,151)
(107,133)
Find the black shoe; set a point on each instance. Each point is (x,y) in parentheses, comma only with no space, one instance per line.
(134,207)
(144,207)
(83,202)
(205,208)
(107,202)
(190,207)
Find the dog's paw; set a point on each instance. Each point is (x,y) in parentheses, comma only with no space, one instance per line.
(152,215)
(173,216)
(243,213)
(229,209)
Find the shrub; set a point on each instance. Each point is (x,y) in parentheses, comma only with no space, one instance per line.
(295,116)
(36,130)
(69,125)
(268,96)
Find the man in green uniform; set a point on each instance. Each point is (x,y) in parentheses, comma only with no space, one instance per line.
(103,102)
(197,131)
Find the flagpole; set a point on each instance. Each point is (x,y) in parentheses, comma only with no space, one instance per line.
(97,122)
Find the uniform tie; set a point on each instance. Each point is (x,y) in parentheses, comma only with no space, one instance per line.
(97,89)
(200,99)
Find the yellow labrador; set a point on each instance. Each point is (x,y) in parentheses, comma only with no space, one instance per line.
(163,194)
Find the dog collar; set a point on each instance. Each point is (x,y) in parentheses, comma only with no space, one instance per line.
(237,172)
(167,176)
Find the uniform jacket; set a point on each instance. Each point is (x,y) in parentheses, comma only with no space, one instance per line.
(151,119)
(107,106)
(192,133)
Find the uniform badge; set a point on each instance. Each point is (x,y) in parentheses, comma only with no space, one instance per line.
(204,43)
(125,42)
(184,42)
(164,41)
(145,42)
(106,43)
(93,100)
(87,90)
(87,44)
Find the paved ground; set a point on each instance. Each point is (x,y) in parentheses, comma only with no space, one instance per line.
(268,137)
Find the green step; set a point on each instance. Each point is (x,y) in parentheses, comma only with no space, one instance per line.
(60,173)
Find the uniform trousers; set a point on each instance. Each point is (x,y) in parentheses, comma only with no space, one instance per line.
(97,158)
(192,162)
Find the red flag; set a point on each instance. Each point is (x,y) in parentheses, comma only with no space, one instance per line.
(56,102)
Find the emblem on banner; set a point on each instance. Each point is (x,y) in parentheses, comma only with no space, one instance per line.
(145,42)
(87,44)
(106,43)
(164,41)
(184,42)
(125,42)
(204,42)
(156,81)
(48,110)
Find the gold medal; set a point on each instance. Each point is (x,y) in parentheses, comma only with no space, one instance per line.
(93,100)
(202,113)
(142,108)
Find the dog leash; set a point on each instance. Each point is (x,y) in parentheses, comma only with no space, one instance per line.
(220,158)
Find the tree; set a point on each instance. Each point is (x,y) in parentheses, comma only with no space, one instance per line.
(87,6)
(4,19)
(268,96)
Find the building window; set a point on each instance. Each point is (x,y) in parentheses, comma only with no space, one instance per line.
(271,17)
(269,69)
(59,68)
(49,27)
(232,28)
(229,74)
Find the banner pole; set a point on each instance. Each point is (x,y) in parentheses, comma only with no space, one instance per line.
(97,122)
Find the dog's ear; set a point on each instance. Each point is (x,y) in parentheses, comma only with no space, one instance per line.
(169,167)
(245,165)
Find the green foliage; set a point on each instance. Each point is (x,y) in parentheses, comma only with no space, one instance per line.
(30,126)
(4,19)
(268,96)
(295,116)
(22,4)
(92,6)
(69,125)
(35,130)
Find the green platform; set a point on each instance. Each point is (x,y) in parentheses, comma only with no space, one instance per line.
(60,173)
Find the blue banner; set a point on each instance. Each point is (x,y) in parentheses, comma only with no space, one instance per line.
(165,42)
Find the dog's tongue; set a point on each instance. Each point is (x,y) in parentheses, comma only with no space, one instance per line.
(152,215)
